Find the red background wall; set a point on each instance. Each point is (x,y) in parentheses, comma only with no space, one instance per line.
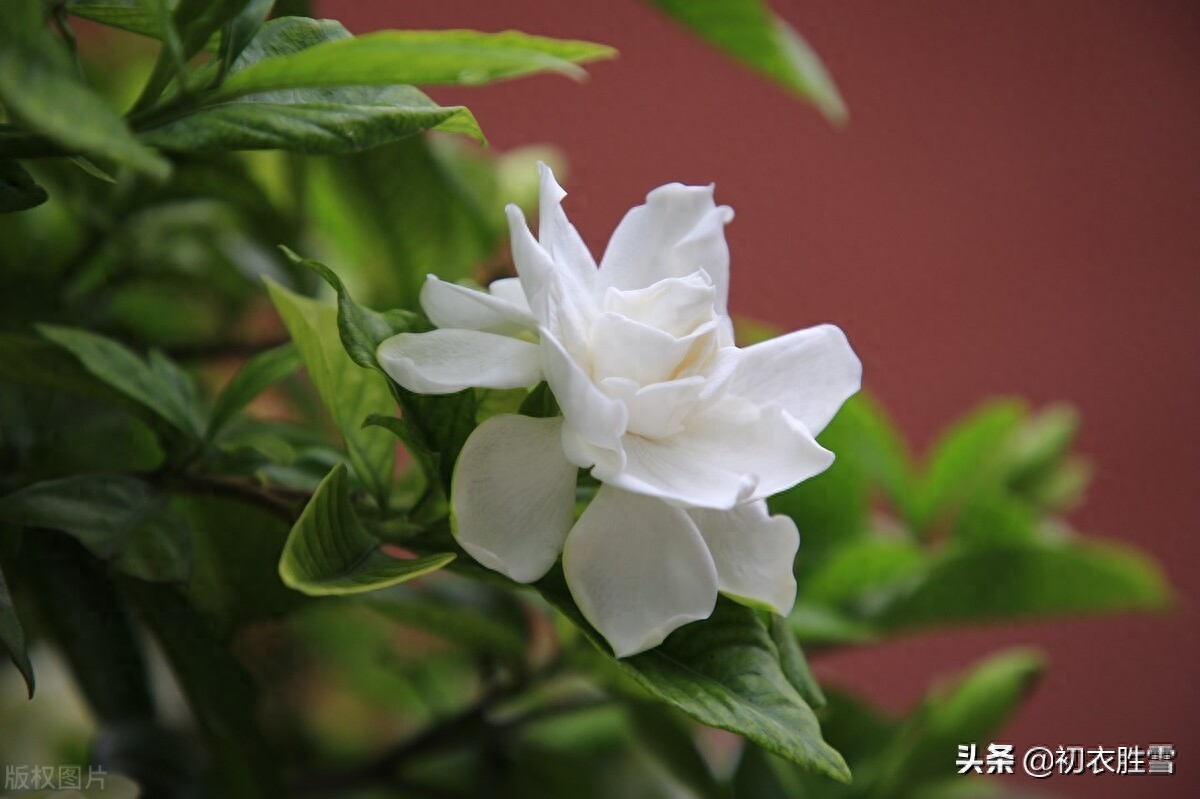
(1014,209)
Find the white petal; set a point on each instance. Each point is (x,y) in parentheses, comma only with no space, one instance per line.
(590,414)
(445,361)
(449,305)
(622,347)
(657,410)
(754,553)
(677,305)
(677,232)
(556,233)
(509,289)
(514,495)
(809,372)
(728,453)
(559,297)
(638,569)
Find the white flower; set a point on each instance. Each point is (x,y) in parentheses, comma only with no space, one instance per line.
(687,432)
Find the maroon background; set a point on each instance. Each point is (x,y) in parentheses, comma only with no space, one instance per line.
(1012,210)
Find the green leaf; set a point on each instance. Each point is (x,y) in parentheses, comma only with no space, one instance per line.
(118,518)
(40,90)
(433,428)
(969,457)
(191,26)
(723,672)
(29,361)
(12,637)
(1038,579)
(158,385)
(255,376)
(748,31)
(667,736)
(330,552)
(413,57)
(476,617)
(794,664)
(349,392)
(128,15)
(973,710)
(222,695)
(859,570)
(311,120)
(18,191)
(540,402)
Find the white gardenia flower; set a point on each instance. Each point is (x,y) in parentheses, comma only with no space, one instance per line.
(687,432)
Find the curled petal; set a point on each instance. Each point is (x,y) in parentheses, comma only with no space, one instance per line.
(638,569)
(728,454)
(513,495)
(449,305)
(677,232)
(809,372)
(556,233)
(446,361)
(509,289)
(754,554)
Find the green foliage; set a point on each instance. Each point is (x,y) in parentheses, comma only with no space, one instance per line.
(751,33)
(329,551)
(12,637)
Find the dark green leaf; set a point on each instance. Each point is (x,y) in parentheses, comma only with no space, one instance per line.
(158,385)
(794,664)
(90,624)
(222,695)
(29,361)
(668,737)
(1038,579)
(242,29)
(12,637)
(311,120)
(131,15)
(413,57)
(41,91)
(258,373)
(748,31)
(118,518)
(723,672)
(18,191)
(349,392)
(330,552)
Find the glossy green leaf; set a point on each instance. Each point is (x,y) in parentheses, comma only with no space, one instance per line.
(330,552)
(433,428)
(723,672)
(157,384)
(349,392)
(312,120)
(12,637)
(118,518)
(1039,579)
(255,376)
(40,89)
(413,57)
(18,191)
(751,33)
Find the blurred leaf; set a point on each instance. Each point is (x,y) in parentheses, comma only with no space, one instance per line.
(12,637)
(761,775)
(221,694)
(1037,579)
(973,710)
(993,518)
(41,92)
(433,428)
(159,384)
(350,393)
(30,361)
(310,120)
(856,570)
(242,29)
(475,617)
(90,625)
(723,672)
(330,552)
(255,376)
(130,15)
(794,664)
(668,737)
(540,402)
(18,191)
(969,456)
(191,25)
(751,33)
(118,518)
(817,625)
(413,57)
